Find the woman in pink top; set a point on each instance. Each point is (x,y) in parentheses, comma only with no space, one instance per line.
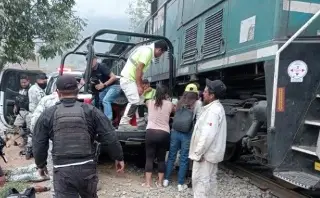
(158,133)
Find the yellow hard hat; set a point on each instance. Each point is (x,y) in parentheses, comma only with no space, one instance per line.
(192,88)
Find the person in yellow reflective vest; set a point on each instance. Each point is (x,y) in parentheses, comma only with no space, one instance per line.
(138,63)
(149,92)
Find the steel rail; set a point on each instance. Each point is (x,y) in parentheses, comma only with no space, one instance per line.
(261,181)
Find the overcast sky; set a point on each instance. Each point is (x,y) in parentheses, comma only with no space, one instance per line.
(102,8)
(100,14)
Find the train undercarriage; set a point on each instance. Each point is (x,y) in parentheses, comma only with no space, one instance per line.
(246,110)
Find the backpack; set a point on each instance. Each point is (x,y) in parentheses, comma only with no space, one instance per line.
(183,120)
(28,193)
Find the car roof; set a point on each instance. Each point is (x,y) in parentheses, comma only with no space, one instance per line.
(76,73)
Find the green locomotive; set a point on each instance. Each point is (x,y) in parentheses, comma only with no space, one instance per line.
(273,98)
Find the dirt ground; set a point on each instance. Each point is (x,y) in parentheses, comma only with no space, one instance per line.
(111,184)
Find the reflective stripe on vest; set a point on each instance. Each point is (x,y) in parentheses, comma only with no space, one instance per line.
(134,64)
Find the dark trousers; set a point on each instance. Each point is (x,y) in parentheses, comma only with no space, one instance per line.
(72,181)
(156,147)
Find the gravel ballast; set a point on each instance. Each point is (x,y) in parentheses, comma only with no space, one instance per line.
(129,186)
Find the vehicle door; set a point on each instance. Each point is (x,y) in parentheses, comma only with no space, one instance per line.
(10,79)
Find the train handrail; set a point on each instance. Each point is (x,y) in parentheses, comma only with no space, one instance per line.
(75,50)
(276,66)
(131,34)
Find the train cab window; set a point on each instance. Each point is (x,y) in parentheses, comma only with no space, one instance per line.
(149,27)
(158,20)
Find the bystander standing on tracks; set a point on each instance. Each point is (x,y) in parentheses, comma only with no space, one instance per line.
(208,141)
(187,112)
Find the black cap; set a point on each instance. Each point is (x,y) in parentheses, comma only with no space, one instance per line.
(67,82)
(41,76)
(217,87)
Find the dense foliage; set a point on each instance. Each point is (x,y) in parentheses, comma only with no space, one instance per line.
(137,11)
(50,24)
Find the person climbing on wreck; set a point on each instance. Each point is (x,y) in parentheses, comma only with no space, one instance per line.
(107,88)
(138,62)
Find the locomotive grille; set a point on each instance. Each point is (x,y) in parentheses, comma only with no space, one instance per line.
(190,45)
(156,60)
(213,34)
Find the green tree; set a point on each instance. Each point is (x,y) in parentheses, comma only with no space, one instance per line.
(138,10)
(25,23)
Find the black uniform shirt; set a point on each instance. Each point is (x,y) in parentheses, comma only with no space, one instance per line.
(102,71)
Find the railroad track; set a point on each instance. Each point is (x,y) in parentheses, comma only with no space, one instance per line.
(261,181)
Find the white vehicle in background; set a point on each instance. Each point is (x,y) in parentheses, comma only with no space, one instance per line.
(52,78)
(10,79)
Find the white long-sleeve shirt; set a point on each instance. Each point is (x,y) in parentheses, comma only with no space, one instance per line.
(210,134)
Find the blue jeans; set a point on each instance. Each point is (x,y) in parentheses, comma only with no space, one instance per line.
(107,96)
(179,141)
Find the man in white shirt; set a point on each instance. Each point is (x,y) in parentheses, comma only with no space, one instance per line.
(208,141)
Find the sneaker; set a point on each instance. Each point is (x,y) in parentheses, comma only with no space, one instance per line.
(165,183)
(182,187)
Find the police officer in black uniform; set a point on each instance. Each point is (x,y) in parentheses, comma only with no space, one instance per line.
(73,127)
